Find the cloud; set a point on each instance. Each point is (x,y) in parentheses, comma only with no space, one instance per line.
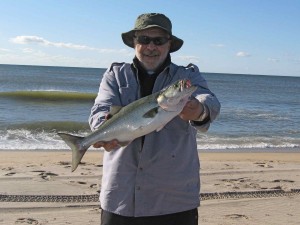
(243,54)
(29,56)
(189,58)
(28,40)
(273,60)
(3,50)
(27,50)
(42,41)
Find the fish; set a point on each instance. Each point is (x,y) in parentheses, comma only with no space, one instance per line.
(141,117)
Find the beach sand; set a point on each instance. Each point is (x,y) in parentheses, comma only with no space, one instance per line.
(49,173)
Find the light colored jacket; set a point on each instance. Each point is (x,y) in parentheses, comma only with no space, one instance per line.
(162,176)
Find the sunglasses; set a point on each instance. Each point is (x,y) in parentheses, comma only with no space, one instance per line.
(145,40)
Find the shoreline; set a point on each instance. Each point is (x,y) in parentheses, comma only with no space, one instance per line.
(225,150)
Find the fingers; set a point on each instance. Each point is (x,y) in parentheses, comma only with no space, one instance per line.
(192,104)
(108,146)
(111,145)
(98,144)
(191,110)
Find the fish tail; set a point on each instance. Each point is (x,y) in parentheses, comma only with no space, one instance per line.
(75,143)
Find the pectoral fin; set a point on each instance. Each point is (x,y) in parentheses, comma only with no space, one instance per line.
(151,113)
(124,143)
(158,129)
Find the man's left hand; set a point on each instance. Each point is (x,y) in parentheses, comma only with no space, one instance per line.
(192,110)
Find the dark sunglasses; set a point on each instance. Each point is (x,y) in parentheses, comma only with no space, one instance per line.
(145,40)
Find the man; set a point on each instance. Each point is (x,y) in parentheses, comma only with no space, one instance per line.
(154,179)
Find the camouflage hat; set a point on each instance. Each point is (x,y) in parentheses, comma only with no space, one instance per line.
(150,20)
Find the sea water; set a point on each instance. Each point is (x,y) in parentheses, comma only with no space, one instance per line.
(258,112)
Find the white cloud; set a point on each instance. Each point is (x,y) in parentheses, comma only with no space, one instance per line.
(33,56)
(28,56)
(28,39)
(189,58)
(42,41)
(273,60)
(27,50)
(4,50)
(243,54)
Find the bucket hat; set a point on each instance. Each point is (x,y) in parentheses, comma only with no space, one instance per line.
(150,20)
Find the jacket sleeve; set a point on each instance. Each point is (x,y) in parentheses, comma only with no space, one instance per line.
(108,95)
(205,96)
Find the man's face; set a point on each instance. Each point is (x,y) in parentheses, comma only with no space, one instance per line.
(150,55)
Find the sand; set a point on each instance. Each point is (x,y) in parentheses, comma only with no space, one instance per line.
(49,173)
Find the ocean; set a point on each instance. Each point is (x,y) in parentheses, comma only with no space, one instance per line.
(258,112)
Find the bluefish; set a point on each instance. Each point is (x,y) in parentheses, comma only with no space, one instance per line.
(141,117)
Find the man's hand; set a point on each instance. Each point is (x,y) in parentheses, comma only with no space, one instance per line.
(107,145)
(192,110)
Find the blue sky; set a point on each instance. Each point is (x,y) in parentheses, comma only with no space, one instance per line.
(222,36)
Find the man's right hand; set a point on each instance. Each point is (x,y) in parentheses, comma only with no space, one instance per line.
(107,145)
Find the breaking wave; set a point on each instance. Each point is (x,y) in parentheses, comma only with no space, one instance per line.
(48,95)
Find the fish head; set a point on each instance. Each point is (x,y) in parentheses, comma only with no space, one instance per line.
(175,96)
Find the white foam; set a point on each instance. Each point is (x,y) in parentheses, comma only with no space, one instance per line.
(32,140)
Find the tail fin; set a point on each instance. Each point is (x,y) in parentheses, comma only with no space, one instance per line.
(74,142)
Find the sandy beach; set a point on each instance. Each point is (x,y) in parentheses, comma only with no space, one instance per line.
(48,173)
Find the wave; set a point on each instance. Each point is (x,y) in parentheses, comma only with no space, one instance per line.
(43,135)
(51,126)
(39,135)
(48,95)
(206,142)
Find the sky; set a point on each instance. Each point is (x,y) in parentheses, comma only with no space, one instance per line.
(220,36)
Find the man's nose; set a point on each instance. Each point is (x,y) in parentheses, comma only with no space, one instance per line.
(151,45)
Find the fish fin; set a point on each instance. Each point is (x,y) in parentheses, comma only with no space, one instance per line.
(151,113)
(78,150)
(124,143)
(160,128)
(114,109)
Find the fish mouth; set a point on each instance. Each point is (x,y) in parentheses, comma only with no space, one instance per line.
(185,84)
(175,94)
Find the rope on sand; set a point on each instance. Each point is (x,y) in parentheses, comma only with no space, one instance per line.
(95,197)
(249,194)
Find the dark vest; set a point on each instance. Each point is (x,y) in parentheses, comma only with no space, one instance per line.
(147,80)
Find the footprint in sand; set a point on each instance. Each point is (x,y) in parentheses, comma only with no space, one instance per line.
(31,166)
(238,183)
(78,182)
(8,168)
(81,182)
(237,216)
(283,181)
(26,221)
(38,171)
(47,175)
(263,164)
(10,174)
(65,164)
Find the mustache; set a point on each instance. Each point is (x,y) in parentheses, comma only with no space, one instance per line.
(151,53)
